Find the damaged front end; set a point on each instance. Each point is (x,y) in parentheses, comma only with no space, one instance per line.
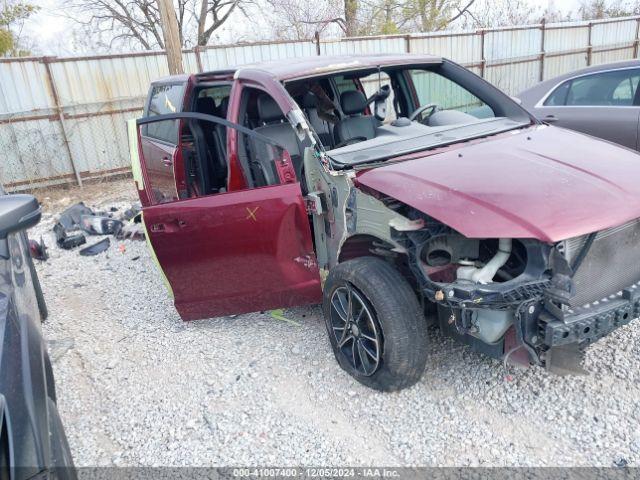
(532,301)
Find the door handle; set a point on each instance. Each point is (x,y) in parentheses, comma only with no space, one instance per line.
(168,162)
(550,118)
(170,226)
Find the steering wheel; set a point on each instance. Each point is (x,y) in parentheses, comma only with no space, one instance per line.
(350,141)
(418,111)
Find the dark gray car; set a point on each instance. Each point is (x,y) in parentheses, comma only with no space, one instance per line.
(602,101)
(32,439)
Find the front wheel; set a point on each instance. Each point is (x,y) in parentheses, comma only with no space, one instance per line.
(375,324)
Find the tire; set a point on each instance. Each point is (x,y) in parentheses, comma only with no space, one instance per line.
(390,310)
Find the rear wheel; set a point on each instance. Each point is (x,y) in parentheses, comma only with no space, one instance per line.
(375,324)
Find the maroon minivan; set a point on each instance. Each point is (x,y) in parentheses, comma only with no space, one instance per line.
(398,190)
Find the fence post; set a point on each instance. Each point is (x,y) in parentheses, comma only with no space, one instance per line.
(407,43)
(483,60)
(196,52)
(589,46)
(59,110)
(317,39)
(637,39)
(542,50)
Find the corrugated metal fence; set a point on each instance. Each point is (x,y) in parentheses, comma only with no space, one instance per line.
(63,119)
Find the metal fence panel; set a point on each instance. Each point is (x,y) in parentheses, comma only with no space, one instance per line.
(513,78)
(613,33)
(558,38)
(23,87)
(93,96)
(608,56)
(363,46)
(465,49)
(231,56)
(511,43)
(554,66)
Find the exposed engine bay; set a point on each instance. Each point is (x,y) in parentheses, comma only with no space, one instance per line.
(502,295)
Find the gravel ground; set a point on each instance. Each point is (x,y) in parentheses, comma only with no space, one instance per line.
(137,386)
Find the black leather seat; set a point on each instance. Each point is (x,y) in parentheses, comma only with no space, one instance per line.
(274,126)
(356,124)
(320,126)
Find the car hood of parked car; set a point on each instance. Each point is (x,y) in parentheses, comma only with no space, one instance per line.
(542,182)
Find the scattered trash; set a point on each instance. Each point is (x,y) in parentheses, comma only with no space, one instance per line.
(98,225)
(68,223)
(78,220)
(131,231)
(38,250)
(122,247)
(96,248)
(70,218)
(621,462)
(279,315)
(137,257)
(132,213)
(66,241)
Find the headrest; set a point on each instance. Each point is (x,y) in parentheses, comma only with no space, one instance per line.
(309,100)
(353,101)
(268,109)
(223,107)
(206,105)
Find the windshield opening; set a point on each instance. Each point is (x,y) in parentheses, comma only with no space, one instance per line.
(372,115)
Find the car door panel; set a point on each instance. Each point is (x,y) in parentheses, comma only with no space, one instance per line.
(616,124)
(237,251)
(159,164)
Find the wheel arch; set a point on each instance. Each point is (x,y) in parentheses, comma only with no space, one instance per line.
(365,245)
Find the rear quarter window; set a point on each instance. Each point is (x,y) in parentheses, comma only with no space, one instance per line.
(163,100)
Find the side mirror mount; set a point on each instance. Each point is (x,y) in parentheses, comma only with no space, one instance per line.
(17,212)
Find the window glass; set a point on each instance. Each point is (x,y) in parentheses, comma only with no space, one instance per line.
(344,84)
(448,95)
(559,96)
(604,89)
(159,161)
(219,94)
(165,99)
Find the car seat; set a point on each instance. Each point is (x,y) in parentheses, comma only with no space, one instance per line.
(356,125)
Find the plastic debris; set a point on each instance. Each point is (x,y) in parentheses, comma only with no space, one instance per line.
(279,315)
(100,225)
(96,248)
(131,231)
(38,250)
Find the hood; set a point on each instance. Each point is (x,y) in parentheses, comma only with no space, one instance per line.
(543,182)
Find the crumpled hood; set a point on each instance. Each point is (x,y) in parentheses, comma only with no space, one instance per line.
(543,182)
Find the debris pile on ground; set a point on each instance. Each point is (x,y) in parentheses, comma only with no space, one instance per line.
(78,221)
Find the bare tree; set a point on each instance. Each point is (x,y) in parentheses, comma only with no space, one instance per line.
(137,22)
(598,9)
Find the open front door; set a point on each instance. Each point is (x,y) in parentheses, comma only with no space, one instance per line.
(233,252)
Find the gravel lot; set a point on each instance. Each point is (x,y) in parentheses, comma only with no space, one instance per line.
(137,386)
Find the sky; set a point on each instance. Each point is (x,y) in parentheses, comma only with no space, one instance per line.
(49,28)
